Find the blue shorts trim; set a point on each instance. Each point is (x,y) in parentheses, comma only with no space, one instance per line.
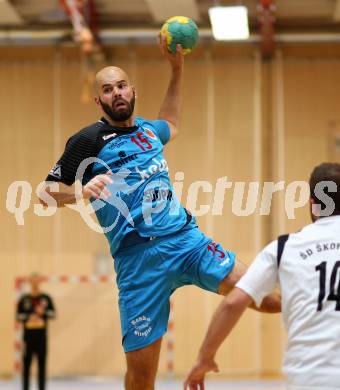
(147,275)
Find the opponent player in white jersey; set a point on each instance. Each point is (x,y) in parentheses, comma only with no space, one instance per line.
(306,265)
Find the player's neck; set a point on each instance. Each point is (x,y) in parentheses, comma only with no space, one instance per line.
(127,123)
(35,292)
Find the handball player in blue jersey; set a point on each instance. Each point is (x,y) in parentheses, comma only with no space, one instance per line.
(156,244)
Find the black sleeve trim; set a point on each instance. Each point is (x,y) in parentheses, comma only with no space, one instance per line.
(281,242)
(79,147)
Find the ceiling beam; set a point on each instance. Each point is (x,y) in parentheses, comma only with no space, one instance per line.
(336,14)
(164,9)
(8,14)
(146,36)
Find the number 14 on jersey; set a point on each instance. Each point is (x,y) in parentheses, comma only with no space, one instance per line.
(334,288)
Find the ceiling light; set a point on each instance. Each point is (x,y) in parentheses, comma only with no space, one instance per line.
(229,23)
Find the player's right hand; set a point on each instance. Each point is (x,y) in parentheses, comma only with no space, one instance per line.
(195,378)
(176,59)
(96,187)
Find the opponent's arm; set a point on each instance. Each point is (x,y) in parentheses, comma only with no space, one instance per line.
(225,318)
(171,104)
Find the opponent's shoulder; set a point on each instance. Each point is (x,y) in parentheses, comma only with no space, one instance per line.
(269,252)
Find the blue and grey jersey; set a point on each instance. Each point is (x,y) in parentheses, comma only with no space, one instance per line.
(142,197)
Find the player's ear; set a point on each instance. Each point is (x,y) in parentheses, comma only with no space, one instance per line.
(134,92)
(313,209)
(97,101)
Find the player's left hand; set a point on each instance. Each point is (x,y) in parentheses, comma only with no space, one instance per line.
(176,59)
(195,378)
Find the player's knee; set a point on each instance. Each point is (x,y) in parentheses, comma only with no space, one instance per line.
(139,378)
(229,282)
(226,285)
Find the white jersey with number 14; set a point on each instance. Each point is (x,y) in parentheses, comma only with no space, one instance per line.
(309,279)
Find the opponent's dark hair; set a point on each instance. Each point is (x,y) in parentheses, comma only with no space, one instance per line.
(326,172)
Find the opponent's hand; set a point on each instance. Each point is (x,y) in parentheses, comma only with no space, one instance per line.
(195,378)
(96,187)
(176,59)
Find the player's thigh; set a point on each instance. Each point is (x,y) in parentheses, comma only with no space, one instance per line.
(208,265)
(228,283)
(143,297)
(142,364)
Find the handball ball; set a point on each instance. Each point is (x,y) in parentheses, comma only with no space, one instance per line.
(180,30)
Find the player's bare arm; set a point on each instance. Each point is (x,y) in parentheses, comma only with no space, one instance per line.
(224,319)
(95,188)
(171,104)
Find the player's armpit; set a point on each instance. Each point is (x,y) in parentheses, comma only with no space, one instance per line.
(173,130)
(270,304)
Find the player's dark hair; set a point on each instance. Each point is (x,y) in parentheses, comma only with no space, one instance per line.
(326,172)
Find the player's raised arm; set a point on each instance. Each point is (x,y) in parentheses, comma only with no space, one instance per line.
(178,36)
(171,104)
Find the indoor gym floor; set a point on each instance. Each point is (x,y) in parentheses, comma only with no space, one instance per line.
(114,384)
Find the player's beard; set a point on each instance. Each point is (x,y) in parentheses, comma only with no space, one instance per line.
(119,115)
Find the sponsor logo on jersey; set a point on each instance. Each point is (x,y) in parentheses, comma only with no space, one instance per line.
(106,137)
(150,133)
(56,171)
(117,144)
(156,194)
(159,166)
(124,159)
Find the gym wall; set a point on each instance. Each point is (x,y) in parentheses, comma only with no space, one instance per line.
(241,118)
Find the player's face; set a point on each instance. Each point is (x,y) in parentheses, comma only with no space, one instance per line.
(34,282)
(117,99)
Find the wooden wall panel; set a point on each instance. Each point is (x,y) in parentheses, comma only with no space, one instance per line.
(41,108)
